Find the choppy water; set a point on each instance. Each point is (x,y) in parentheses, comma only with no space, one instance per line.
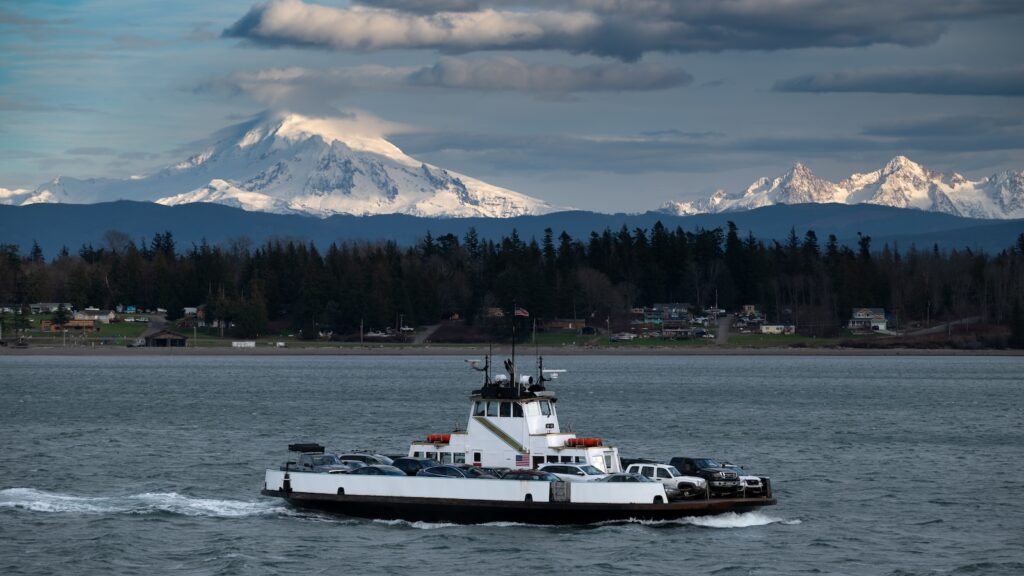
(888,465)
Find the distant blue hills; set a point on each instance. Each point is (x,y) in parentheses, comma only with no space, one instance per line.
(56,225)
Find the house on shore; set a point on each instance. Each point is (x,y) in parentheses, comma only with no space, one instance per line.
(96,315)
(165,339)
(70,325)
(868,320)
(49,307)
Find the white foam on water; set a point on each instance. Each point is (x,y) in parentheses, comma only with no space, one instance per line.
(734,520)
(188,506)
(41,501)
(726,520)
(418,525)
(147,503)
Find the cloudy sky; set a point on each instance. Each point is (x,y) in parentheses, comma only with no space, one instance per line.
(610,105)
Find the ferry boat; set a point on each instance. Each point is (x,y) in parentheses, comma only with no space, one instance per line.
(513,423)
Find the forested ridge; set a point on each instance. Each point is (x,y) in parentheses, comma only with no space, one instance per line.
(808,281)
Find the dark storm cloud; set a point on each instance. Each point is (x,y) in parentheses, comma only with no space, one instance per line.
(555,152)
(295,87)
(681,151)
(621,28)
(952,133)
(947,81)
(425,6)
(494,74)
(945,126)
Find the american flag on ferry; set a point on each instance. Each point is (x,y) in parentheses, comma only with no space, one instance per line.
(522,312)
(522,460)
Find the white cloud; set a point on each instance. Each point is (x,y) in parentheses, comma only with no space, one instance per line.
(366,29)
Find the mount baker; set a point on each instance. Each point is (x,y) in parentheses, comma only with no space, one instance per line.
(289,163)
(901,183)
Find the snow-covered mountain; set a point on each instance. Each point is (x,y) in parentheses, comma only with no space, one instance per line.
(298,164)
(901,184)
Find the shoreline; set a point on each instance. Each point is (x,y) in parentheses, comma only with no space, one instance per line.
(463,350)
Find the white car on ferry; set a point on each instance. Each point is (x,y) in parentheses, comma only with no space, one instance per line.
(574,472)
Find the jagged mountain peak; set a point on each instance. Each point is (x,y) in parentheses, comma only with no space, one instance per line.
(901,183)
(900,163)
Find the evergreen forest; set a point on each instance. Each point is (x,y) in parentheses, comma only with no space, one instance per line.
(811,282)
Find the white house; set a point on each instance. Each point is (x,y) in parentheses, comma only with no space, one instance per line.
(778,329)
(868,319)
(102,316)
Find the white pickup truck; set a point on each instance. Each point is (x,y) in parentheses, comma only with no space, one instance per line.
(686,486)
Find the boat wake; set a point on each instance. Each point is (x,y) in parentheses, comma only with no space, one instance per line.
(436,525)
(735,520)
(147,503)
(726,520)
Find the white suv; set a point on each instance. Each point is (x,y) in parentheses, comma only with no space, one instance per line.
(574,472)
(686,486)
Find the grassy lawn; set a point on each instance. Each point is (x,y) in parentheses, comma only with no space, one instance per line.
(563,339)
(659,343)
(777,340)
(120,330)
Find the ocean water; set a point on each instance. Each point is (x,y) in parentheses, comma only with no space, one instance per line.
(153,465)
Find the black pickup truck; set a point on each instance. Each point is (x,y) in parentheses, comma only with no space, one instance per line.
(721,481)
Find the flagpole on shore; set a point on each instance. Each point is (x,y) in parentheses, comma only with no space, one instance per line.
(515,320)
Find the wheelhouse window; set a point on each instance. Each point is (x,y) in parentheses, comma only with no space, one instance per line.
(506,410)
(492,408)
(517,410)
(545,407)
(478,408)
